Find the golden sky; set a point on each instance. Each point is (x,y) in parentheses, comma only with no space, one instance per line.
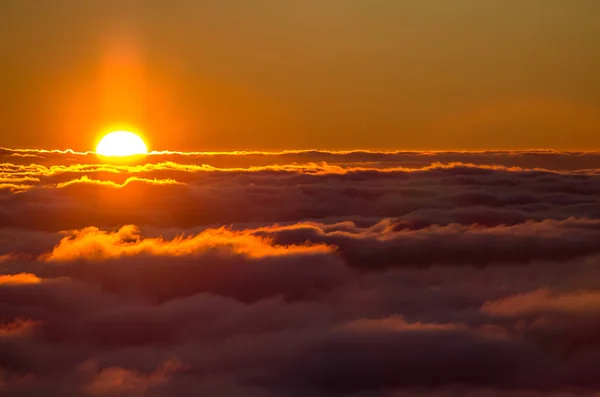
(330,74)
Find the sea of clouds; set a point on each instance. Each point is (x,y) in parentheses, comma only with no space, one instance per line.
(355,274)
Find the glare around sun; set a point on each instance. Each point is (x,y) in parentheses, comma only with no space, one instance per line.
(121,144)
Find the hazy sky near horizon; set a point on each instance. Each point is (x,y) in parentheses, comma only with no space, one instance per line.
(330,74)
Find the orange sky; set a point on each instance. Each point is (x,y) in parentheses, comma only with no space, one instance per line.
(331,74)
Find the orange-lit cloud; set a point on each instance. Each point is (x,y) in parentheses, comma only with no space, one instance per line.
(397,323)
(94,244)
(86,180)
(545,301)
(20,278)
(121,381)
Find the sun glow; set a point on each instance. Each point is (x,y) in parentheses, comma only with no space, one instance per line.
(121,144)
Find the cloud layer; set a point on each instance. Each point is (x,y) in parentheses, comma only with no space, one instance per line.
(300,274)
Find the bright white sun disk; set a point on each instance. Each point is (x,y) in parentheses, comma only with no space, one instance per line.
(120,144)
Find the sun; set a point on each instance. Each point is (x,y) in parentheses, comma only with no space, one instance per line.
(121,144)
